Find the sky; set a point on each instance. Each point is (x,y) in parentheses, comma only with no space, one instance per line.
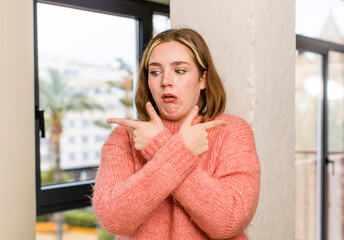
(311,15)
(88,36)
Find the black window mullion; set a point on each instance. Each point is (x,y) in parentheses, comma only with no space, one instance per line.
(145,31)
(308,44)
(37,123)
(324,152)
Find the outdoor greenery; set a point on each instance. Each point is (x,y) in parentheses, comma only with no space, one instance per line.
(48,177)
(83,219)
(80,219)
(102,124)
(42,218)
(86,219)
(104,235)
(57,99)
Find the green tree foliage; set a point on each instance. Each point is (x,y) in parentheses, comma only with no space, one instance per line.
(48,177)
(57,99)
(104,235)
(80,219)
(86,219)
(102,124)
(42,218)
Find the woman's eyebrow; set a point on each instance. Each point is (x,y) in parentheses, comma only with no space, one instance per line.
(154,64)
(180,63)
(176,63)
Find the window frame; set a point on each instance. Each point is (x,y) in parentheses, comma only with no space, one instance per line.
(65,196)
(322,47)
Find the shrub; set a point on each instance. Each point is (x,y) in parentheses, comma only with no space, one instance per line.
(80,219)
(48,177)
(42,218)
(104,235)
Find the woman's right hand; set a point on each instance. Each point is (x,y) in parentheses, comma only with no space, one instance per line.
(196,136)
(143,132)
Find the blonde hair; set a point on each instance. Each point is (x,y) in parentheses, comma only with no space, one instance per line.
(212,99)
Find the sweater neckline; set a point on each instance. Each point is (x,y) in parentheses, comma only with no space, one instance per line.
(175,126)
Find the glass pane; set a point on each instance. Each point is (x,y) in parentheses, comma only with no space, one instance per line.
(87,62)
(160,23)
(336,145)
(323,19)
(80,224)
(307,109)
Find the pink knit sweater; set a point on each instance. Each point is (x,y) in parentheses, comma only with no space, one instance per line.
(167,192)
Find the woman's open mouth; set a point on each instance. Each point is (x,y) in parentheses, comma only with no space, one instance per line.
(169,98)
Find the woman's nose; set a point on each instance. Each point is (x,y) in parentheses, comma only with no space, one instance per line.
(166,80)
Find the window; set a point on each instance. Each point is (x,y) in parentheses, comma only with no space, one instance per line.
(319,99)
(87,56)
(335,144)
(161,23)
(307,110)
(319,153)
(84,139)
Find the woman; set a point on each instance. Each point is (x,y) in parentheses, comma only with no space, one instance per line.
(185,170)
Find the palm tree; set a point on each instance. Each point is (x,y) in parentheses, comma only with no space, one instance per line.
(57,99)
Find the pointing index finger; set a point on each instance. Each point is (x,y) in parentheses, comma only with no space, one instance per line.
(191,116)
(124,122)
(152,113)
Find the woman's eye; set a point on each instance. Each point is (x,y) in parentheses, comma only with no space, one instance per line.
(180,71)
(154,73)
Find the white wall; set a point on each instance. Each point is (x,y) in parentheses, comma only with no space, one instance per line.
(253,46)
(17,175)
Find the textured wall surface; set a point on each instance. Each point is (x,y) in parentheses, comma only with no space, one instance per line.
(17,203)
(253,46)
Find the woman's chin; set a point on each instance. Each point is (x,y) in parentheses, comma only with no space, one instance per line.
(173,112)
(170,112)
(173,117)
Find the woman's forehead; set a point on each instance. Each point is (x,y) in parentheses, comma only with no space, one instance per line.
(171,53)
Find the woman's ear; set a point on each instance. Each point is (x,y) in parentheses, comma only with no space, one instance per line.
(203,81)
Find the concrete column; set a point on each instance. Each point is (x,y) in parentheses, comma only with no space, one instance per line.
(17,148)
(253,46)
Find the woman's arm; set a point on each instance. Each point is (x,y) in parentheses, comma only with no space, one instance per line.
(122,198)
(223,205)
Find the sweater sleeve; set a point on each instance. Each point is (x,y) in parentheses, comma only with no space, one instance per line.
(223,205)
(156,143)
(123,198)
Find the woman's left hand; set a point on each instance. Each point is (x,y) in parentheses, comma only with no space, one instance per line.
(143,132)
(196,136)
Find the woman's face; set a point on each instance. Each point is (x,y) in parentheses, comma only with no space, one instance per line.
(174,81)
